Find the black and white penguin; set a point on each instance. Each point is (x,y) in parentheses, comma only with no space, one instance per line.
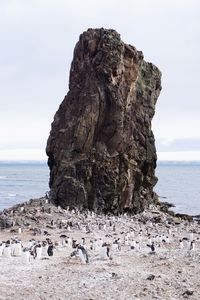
(45,247)
(133,244)
(7,250)
(17,251)
(116,246)
(192,245)
(26,257)
(83,242)
(152,247)
(104,251)
(82,253)
(50,249)
(181,245)
(74,244)
(137,246)
(91,245)
(2,246)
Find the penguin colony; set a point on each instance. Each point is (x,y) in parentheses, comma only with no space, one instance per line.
(104,238)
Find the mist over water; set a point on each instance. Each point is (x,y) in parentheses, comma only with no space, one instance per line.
(178,183)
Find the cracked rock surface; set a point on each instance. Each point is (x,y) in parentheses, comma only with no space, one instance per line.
(101,147)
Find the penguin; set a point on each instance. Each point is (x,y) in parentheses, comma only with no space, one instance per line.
(100,226)
(68,241)
(1,248)
(38,251)
(12,245)
(7,251)
(83,241)
(91,245)
(152,247)
(63,242)
(126,240)
(50,249)
(74,244)
(192,245)
(26,255)
(133,244)
(137,246)
(191,236)
(169,231)
(119,244)
(32,251)
(44,249)
(100,243)
(96,245)
(30,243)
(149,239)
(68,228)
(17,251)
(82,253)
(181,246)
(104,251)
(115,246)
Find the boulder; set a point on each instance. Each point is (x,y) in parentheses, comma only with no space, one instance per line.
(101,149)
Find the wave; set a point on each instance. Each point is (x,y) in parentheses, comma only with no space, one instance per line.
(11,195)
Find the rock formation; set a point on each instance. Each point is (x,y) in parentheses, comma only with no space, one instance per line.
(101,147)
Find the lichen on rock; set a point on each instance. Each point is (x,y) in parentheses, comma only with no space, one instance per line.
(101,147)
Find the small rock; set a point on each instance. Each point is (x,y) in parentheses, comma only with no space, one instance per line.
(114,275)
(151,277)
(188,293)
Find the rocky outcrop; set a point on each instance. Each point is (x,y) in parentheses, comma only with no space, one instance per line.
(101,147)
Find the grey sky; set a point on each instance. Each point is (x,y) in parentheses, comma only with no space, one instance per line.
(37,41)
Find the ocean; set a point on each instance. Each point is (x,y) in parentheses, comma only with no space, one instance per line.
(178,184)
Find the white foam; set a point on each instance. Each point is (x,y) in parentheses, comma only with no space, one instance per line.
(11,195)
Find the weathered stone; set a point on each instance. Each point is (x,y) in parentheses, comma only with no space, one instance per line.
(101,147)
(151,277)
(5,222)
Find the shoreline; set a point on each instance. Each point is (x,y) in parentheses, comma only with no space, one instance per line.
(171,273)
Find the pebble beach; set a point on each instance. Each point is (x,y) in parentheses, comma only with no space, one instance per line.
(130,271)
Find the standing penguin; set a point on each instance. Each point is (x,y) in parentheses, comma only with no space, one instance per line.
(50,249)
(17,251)
(152,247)
(26,255)
(133,244)
(45,247)
(82,253)
(7,250)
(192,245)
(181,246)
(2,246)
(104,251)
(39,251)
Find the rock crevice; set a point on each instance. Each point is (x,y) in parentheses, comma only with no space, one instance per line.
(101,147)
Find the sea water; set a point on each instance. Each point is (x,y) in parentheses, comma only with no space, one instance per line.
(178,183)
(21,181)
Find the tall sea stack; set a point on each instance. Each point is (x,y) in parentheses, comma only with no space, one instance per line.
(101,149)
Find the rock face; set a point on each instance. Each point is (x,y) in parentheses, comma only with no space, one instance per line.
(101,147)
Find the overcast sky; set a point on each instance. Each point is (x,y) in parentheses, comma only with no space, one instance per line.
(37,41)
